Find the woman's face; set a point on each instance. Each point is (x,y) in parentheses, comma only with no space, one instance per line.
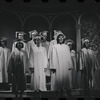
(44,38)
(33,37)
(38,41)
(87,44)
(20,36)
(70,45)
(55,35)
(3,43)
(61,39)
(19,45)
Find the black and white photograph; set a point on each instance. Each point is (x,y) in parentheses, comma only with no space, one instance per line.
(49,49)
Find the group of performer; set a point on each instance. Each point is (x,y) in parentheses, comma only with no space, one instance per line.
(39,58)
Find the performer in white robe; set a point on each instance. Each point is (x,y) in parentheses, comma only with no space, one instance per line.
(61,64)
(17,68)
(88,65)
(31,42)
(38,60)
(97,72)
(4,60)
(45,44)
(20,37)
(53,42)
(74,78)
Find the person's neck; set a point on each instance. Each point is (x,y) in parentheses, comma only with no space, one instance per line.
(87,47)
(32,39)
(20,39)
(60,43)
(38,45)
(44,41)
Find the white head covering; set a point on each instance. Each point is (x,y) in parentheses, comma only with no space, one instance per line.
(44,33)
(69,41)
(3,38)
(19,33)
(38,36)
(84,40)
(58,32)
(33,32)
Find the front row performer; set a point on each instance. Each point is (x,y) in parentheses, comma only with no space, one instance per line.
(39,64)
(74,78)
(31,43)
(18,66)
(36,55)
(61,65)
(88,65)
(4,60)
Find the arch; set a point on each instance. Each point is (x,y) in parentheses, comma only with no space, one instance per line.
(9,23)
(13,13)
(36,15)
(82,14)
(61,14)
(66,23)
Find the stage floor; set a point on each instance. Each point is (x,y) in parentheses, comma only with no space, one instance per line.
(76,94)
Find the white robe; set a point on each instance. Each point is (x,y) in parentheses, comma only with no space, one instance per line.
(61,61)
(88,64)
(53,42)
(25,49)
(46,45)
(74,70)
(30,44)
(4,60)
(18,66)
(38,61)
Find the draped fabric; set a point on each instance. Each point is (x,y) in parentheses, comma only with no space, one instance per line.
(53,42)
(38,61)
(74,70)
(24,50)
(17,68)
(4,60)
(97,72)
(29,45)
(88,65)
(61,62)
(46,45)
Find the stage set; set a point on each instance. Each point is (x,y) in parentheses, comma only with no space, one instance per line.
(74,94)
(76,20)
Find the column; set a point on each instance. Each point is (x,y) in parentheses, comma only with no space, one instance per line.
(50,31)
(78,37)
